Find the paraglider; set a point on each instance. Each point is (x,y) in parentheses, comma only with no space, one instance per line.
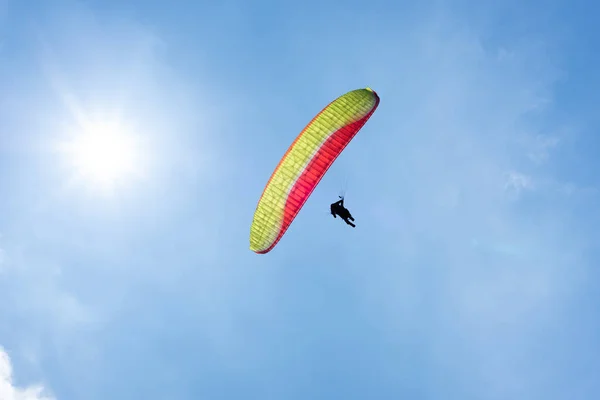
(338,208)
(305,163)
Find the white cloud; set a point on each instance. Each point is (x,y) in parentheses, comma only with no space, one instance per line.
(8,389)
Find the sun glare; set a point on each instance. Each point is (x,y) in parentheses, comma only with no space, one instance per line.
(104,154)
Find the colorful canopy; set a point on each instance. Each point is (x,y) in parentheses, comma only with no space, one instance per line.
(305,163)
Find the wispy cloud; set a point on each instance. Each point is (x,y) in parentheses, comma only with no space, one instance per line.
(516,182)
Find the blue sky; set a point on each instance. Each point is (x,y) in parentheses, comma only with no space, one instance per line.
(473,270)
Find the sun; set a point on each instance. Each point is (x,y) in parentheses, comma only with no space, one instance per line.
(104,154)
